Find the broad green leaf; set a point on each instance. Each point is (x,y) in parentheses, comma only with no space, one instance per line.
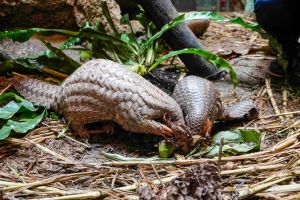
(9,110)
(214,59)
(235,142)
(235,149)
(13,107)
(21,125)
(4,132)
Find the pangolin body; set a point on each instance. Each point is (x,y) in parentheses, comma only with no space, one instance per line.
(104,90)
(201,104)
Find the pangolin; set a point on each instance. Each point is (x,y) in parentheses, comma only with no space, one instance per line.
(201,104)
(105,90)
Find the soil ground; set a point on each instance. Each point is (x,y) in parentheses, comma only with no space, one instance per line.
(42,165)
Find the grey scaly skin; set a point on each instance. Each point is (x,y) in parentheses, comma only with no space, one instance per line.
(201,104)
(104,90)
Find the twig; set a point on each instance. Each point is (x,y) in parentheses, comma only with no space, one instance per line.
(156,182)
(142,174)
(6,88)
(63,177)
(54,73)
(78,142)
(251,169)
(158,176)
(270,94)
(285,99)
(220,155)
(87,195)
(114,180)
(295,124)
(50,151)
(245,192)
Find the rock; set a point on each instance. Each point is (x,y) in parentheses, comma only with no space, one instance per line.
(198,27)
(66,14)
(36,13)
(90,11)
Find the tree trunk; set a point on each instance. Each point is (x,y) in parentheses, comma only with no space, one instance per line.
(162,12)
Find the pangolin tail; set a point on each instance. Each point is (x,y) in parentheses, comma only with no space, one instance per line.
(38,92)
(244,109)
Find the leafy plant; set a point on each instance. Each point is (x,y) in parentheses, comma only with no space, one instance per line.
(140,54)
(18,115)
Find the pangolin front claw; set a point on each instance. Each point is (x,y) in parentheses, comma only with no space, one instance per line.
(166,131)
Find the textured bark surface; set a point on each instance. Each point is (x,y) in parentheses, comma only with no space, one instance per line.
(180,37)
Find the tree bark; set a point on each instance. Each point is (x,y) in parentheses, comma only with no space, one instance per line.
(162,12)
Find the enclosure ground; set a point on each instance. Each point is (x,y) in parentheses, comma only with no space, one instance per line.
(42,165)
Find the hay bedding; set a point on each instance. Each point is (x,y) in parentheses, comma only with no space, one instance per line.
(43,166)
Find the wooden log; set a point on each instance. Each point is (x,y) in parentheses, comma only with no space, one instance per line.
(162,12)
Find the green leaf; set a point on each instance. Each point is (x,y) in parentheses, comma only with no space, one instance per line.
(125,19)
(85,55)
(235,142)
(87,32)
(71,41)
(17,115)
(21,125)
(7,111)
(165,149)
(59,53)
(54,116)
(212,58)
